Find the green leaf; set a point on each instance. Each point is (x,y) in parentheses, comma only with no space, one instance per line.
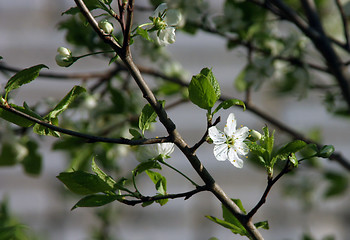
(83,183)
(16,119)
(103,176)
(146,166)
(32,162)
(285,152)
(51,117)
(292,147)
(9,154)
(263,225)
(229,103)
(143,33)
(337,184)
(158,180)
(148,116)
(113,59)
(135,133)
(293,159)
(162,202)
(204,90)
(25,76)
(326,151)
(228,225)
(65,102)
(96,200)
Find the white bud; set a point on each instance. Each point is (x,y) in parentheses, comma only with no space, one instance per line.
(106,26)
(64,57)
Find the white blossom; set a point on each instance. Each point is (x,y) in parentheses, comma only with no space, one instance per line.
(64,57)
(150,151)
(165,22)
(229,144)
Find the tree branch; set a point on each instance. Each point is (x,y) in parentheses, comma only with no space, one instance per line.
(88,137)
(185,195)
(173,133)
(270,183)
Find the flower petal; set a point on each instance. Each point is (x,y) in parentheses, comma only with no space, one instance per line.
(234,159)
(165,149)
(241,134)
(220,152)
(173,17)
(230,127)
(241,148)
(216,135)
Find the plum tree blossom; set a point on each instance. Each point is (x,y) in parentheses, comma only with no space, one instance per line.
(229,144)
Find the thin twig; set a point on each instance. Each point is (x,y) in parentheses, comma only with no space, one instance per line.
(270,183)
(185,195)
(89,138)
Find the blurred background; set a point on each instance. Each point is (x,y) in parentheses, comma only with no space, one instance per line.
(29,36)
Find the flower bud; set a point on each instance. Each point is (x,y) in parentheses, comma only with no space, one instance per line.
(64,57)
(254,135)
(106,26)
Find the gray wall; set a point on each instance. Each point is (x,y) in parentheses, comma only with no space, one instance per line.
(28,36)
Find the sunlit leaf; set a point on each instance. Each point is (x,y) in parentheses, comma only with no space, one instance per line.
(25,76)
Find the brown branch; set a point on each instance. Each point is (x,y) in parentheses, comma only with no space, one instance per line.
(88,137)
(270,183)
(185,195)
(64,76)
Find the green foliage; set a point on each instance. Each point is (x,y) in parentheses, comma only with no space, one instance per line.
(84,183)
(229,103)
(148,116)
(338,183)
(204,89)
(231,222)
(23,77)
(52,116)
(10,228)
(96,200)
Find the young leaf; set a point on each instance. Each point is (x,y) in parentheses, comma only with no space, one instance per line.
(285,152)
(25,76)
(143,33)
(96,200)
(16,119)
(228,225)
(326,151)
(263,225)
(148,115)
(204,89)
(229,103)
(135,133)
(103,176)
(83,183)
(65,102)
(146,166)
(158,180)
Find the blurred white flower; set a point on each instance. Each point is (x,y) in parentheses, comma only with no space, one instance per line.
(64,57)
(146,152)
(229,144)
(165,22)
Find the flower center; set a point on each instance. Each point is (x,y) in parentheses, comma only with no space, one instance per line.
(230,142)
